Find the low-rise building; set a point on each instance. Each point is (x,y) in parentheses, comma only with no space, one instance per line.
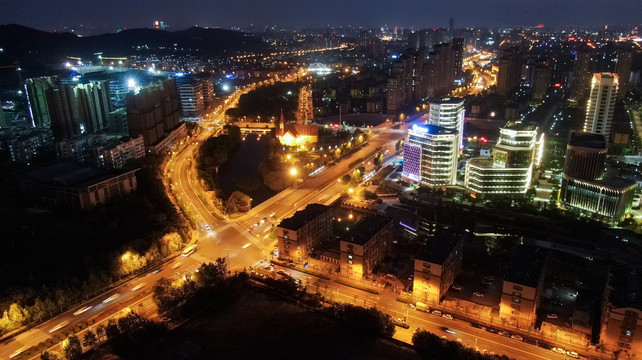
(301,233)
(24,146)
(365,246)
(622,327)
(437,266)
(522,287)
(71,185)
(115,153)
(609,198)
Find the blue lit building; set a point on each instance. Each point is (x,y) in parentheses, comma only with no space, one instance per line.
(430,155)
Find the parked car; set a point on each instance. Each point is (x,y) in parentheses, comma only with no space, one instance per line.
(436,312)
(559,350)
(456,287)
(447,316)
(572,354)
(479,294)
(517,337)
(491,330)
(504,333)
(552,316)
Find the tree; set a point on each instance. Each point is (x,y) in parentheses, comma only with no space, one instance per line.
(237,201)
(100,332)
(90,339)
(212,273)
(51,355)
(72,348)
(378,160)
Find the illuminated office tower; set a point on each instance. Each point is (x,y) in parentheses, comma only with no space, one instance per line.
(449,113)
(601,104)
(509,171)
(430,155)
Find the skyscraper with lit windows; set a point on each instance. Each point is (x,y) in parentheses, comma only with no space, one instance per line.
(430,155)
(448,112)
(601,104)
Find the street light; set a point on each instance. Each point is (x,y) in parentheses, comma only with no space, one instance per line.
(294,173)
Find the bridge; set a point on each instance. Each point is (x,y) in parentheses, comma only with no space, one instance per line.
(255,127)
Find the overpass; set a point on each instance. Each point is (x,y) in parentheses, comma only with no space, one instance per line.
(255,127)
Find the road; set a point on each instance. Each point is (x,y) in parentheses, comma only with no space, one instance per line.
(232,239)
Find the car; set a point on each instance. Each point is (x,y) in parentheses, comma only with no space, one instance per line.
(447,316)
(165,319)
(436,312)
(517,337)
(459,340)
(504,333)
(283,273)
(156,271)
(410,305)
(456,287)
(448,330)
(111,298)
(476,325)
(493,331)
(572,354)
(530,341)
(262,221)
(552,316)
(559,350)
(489,278)
(177,265)
(272,214)
(479,294)
(485,352)
(138,287)
(443,337)
(411,277)
(82,310)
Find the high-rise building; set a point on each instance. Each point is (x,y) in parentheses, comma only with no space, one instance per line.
(153,112)
(430,155)
(450,113)
(585,156)
(36,90)
(583,184)
(541,81)
(190,92)
(510,68)
(509,171)
(601,104)
(94,104)
(63,111)
(623,70)
(581,84)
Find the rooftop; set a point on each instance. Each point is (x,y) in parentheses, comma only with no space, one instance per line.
(68,175)
(526,266)
(446,100)
(589,140)
(442,245)
(614,183)
(626,283)
(426,129)
(302,217)
(520,126)
(366,228)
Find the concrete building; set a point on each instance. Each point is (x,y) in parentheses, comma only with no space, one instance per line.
(190,92)
(541,81)
(301,233)
(585,156)
(365,246)
(115,153)
(26,145)
(80,148)
(94,105)
(509,171)
(601,104)
(36,90)
(622,327)
(522,287)
(154,113)
(581,84)
(449,113)
(437,266)
(118,122)
(510,68)
(610,198)
(623,69)
(70,185)
(430,155)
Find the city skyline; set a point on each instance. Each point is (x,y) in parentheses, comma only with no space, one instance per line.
(413,14)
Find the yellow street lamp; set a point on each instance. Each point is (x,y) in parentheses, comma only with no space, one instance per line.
(293,171)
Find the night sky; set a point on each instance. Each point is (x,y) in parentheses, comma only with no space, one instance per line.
(114,14)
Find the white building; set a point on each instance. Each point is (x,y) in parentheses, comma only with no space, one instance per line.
(448,112)
(601,104)
(430,155)
(191,95)
(509,171)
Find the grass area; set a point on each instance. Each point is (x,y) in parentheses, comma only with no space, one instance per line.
(259,325)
